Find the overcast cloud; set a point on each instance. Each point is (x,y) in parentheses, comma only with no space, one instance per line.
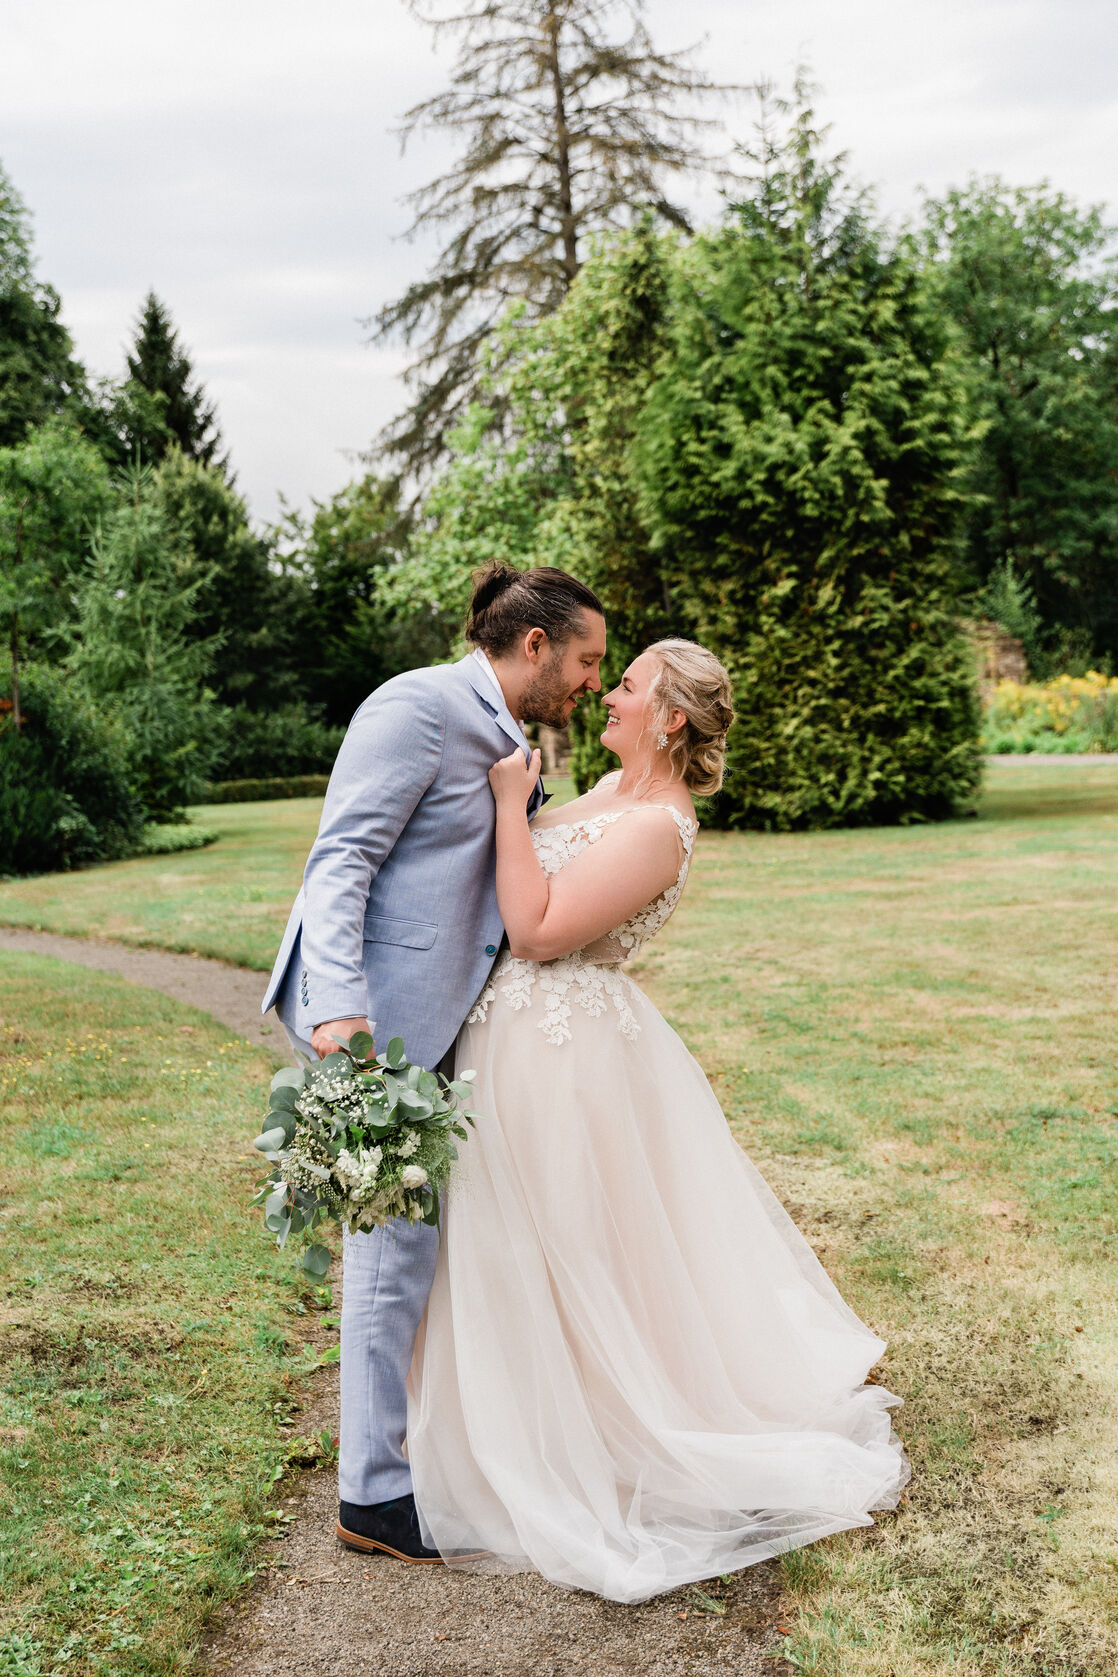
(236,155)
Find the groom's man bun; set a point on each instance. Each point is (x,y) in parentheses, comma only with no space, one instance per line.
(507,603)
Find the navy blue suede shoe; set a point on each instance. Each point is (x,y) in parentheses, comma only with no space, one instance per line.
(386,1528)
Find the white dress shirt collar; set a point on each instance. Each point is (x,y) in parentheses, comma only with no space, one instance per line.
(499,693)
(492,675)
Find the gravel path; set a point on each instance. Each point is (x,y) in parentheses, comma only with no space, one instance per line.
(316,1609)
(231,994)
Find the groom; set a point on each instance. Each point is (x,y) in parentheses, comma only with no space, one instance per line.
(395,931)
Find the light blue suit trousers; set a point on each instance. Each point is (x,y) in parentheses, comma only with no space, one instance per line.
(386,1277)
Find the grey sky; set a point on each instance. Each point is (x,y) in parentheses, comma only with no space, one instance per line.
(238,158)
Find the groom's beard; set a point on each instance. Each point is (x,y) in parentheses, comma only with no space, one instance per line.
(547,695)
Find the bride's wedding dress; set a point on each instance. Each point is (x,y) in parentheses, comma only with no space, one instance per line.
(633,1371)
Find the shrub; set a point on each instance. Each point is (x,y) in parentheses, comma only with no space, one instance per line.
(1066,715)
(264,744)
(66,795)
(166,840)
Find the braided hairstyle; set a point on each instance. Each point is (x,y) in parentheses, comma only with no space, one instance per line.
(507,603)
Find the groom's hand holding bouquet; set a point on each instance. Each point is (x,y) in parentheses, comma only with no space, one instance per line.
(325,1038)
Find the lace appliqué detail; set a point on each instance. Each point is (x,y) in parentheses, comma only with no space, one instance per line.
(577,979)
(573,979)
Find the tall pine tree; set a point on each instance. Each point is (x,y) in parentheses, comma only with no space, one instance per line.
(162,402)
(570,123)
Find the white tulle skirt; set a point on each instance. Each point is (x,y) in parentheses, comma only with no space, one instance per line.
(633,1372)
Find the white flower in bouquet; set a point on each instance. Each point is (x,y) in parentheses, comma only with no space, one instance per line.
(358,1173)
(409,1145)
(414,1177)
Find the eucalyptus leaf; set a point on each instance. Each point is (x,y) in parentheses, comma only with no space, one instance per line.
(361,1045)
(289,1077)
(316,1260)
(271,1140)
(414,1104)
(394,1053)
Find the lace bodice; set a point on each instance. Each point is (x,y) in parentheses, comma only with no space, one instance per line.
(590,976)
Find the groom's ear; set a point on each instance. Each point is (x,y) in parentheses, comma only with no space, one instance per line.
(535,645)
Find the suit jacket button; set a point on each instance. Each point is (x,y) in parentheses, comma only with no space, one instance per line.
(491,949)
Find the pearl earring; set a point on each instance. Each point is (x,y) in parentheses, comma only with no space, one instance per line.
(661,741)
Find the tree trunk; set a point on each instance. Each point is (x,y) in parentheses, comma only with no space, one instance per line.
(562,155)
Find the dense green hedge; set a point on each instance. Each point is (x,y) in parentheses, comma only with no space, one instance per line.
(258,791)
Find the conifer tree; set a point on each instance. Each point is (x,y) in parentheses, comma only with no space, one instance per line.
(571,122)
(162,402)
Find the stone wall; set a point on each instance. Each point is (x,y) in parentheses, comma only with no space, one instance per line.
(998,655)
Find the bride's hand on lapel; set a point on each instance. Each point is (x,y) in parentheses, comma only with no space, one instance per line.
(512,779)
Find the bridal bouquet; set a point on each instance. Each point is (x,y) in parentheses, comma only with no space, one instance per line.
(358,1139)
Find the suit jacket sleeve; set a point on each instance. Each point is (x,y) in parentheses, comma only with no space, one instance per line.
(389,757)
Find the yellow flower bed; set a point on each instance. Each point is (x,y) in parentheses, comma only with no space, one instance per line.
(1071,712)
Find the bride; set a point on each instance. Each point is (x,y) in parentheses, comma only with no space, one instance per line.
(633,1371)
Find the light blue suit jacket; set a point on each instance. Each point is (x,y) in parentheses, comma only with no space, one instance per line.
(397,920)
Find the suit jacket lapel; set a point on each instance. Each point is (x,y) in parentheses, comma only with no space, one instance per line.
(503,718)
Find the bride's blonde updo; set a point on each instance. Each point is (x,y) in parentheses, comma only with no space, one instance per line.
(692,680)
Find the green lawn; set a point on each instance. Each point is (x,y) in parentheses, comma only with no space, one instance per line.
(912,1031)
(230,900)
(149,1332)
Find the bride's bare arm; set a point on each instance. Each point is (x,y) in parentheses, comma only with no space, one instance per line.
(611,880)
